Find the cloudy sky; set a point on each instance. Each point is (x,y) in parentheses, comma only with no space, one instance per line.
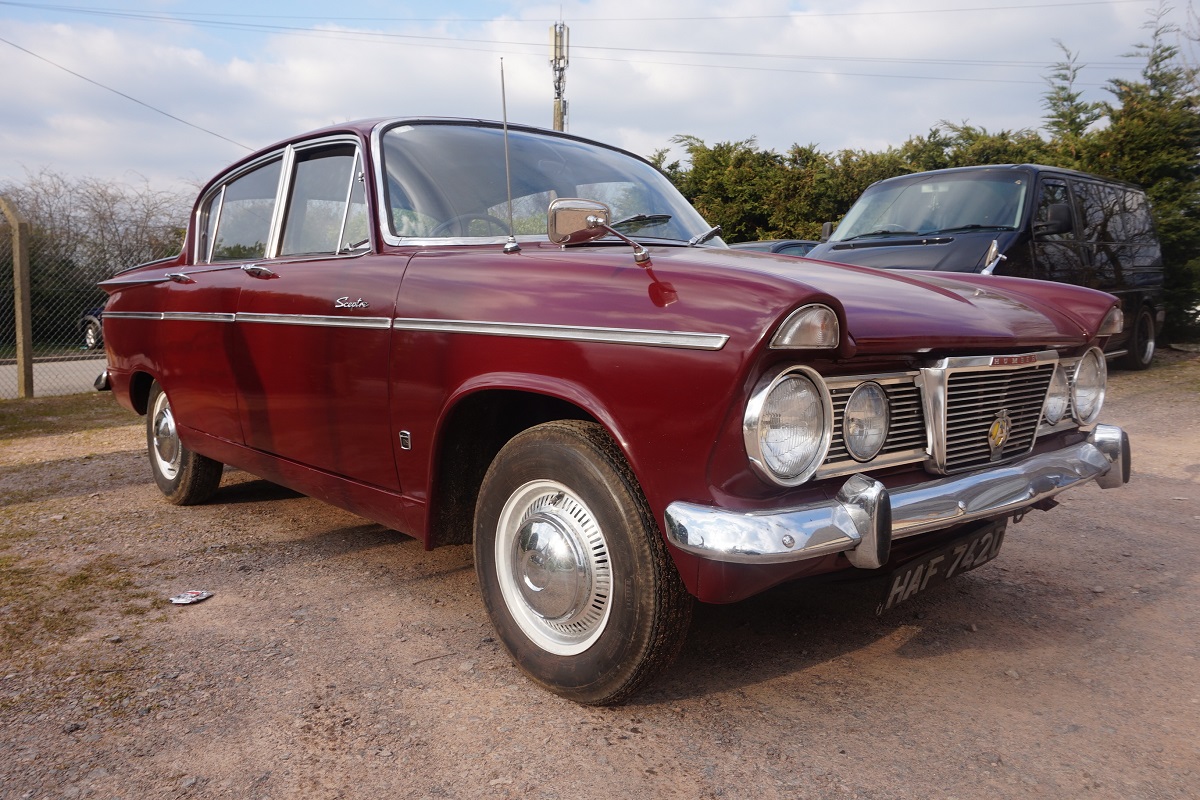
(171,91)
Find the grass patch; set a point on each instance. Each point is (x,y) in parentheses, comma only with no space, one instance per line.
(65,414)
(41,606)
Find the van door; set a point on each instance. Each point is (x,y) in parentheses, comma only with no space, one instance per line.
(1058,252)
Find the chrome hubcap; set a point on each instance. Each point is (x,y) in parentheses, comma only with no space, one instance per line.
(553,567)
(1147,338)
(166,447)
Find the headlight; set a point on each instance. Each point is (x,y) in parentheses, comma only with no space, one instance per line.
(1087,393)
(865,421)
(787,425)
(1056,398)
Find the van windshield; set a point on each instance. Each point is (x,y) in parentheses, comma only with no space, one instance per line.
(933,203)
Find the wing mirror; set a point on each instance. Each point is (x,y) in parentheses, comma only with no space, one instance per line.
(570,220)
(1058,220)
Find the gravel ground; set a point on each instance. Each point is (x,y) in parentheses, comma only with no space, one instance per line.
(339,659)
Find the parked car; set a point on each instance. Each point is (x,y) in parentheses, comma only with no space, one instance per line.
(1017,219)
(621,413)
(787,247)
(90,329)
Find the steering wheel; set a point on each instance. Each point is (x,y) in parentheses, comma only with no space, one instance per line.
(464,220)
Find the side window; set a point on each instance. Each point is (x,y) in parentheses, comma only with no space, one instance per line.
(1052,195)
(1100,210)
(326,208)
(239,217)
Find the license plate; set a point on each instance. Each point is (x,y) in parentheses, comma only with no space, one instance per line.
(973,550)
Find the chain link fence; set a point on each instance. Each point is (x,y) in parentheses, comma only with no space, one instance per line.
(65,306)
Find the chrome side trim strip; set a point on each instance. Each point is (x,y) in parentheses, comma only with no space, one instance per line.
(197,316)
(854,517)
(133,315)
(380,323)
(634,336)
(373,323)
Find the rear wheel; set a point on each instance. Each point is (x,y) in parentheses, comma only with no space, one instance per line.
(1141,341)
(185,477)
(574,572)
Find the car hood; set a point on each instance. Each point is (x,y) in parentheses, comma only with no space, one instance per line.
(910,311)
(959,252)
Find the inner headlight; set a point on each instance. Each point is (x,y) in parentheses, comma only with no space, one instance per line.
(1056,398)
(1087,393)
(865,421)
(787,425)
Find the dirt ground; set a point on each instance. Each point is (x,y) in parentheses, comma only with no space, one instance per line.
(338,659)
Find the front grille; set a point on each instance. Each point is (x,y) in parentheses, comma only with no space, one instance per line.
(975,399)
(942,414)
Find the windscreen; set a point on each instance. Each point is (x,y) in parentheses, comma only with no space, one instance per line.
(446,180)
(937,202)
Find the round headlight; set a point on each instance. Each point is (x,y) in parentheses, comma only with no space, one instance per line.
(1087,393)
(1056,398)
(787,426)
(865,422)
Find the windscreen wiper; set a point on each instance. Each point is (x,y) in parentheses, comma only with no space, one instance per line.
(973,227)
(880,232)
(639,221)
(701,238)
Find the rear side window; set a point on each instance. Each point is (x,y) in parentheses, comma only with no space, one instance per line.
(238,218)
(1100,207)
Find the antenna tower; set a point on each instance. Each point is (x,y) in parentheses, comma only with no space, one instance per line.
(560,38)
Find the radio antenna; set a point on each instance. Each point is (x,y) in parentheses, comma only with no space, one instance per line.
(511,245)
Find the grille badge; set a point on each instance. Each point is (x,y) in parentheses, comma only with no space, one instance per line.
(998,433)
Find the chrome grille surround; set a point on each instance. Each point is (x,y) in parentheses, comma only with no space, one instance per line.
(964,398)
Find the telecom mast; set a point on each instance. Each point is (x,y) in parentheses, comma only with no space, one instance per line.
(560,37)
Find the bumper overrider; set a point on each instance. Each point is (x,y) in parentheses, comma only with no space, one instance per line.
(865,517)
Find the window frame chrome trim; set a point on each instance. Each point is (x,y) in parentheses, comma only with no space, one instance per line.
(287,157)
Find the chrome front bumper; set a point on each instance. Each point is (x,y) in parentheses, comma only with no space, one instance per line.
(865,516)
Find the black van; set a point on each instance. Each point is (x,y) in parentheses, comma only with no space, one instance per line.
(1016,219)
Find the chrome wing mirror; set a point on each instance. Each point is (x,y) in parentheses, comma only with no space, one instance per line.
(572,220)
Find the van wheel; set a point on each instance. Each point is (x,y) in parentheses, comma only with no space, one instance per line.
(184,477)
(1141,342)
(574,572)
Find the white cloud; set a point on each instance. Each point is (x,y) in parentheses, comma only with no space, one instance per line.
(270,85)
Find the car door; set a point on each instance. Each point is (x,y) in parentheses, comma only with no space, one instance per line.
(315,316)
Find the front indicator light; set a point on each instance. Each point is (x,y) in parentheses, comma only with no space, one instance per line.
(811,327)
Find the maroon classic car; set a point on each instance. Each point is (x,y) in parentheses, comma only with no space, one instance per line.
(467,331)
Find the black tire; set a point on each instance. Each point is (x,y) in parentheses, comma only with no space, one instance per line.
(1141,342)
(185,478)
(93,334)
(573,569)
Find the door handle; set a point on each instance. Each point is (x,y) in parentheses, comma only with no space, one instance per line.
(258,271)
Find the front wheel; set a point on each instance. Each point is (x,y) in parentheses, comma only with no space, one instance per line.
(185,477)
(573,569)
(1141,341)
